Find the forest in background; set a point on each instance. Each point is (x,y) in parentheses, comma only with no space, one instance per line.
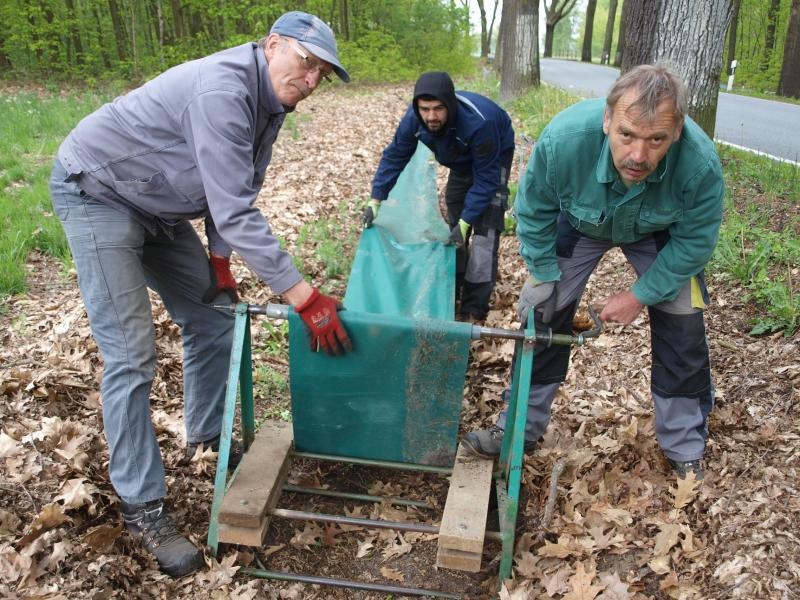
(95,40)
(380,41)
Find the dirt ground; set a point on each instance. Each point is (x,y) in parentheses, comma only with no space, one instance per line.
(622,527)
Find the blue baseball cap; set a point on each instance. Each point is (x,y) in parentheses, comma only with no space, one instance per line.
(314,34)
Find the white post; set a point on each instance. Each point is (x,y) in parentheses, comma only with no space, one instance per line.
(730,77)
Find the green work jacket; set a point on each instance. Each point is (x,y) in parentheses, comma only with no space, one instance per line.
(572,171)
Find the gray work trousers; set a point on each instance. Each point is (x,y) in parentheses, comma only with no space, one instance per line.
(680,375)
(117,260)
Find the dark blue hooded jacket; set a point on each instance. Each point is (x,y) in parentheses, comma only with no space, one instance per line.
(477,133)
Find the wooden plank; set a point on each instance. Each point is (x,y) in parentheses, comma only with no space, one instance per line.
(258,483)
(246,536)
(458,559)
(464,519)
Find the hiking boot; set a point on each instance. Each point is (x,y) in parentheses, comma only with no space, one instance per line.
(690,466)
(488,442)
(156,529)
(234,456)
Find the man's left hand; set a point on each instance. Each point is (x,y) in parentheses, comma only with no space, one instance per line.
(222,280)
(621,308)
(458,234)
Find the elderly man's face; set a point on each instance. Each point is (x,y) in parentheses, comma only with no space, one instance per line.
(638,144)
(293,70)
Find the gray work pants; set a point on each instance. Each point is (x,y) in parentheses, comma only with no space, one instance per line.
(117,260)
(680,375)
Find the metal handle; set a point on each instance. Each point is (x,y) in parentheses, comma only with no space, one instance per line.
(281,311)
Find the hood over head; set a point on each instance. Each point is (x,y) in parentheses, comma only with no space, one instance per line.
(437,84)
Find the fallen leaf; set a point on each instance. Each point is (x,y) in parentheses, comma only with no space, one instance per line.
(100,539)
(614,587)
(392,574)
(51,516)
(686,490)
(364,547)
(581,587)
(75,493)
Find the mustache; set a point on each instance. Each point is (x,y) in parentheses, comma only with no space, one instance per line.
(639,166)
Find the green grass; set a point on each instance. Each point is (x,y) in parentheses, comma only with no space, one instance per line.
(328,245)
(31,128)
(759,245)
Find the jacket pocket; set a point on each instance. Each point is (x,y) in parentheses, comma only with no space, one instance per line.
(587,214)
(144,186)
(652,219)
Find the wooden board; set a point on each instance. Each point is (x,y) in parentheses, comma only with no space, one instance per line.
(257,485)
(463,525)
(246,536)
(458,559)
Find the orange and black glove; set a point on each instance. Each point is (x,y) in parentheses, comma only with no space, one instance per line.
(221,279)
(319,313)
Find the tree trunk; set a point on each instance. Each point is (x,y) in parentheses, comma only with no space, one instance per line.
(609,37)
(498,58)
(520,47)
(491,25)
(789,84)
(73,31)
(732,31)
(641,25)
(623,31)
(690,36)
(586,54)
(769,44)
(177,18)
(557,10)
(119,30)
(484,31)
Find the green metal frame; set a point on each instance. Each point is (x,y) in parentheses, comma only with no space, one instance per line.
(507,478)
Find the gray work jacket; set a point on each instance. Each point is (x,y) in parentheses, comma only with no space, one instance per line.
(193,142)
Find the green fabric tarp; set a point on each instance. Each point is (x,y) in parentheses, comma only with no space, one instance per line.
(398,395)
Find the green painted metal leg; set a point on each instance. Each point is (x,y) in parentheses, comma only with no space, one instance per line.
(239,370)
(512,451)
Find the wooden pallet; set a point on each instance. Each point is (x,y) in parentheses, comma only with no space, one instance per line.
(463,528)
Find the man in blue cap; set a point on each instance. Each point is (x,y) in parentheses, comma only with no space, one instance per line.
(193,142)
(474,138)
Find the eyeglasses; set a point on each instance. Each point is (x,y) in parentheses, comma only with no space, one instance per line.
(311,64)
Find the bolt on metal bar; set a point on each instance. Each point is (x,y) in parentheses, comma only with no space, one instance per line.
(353,496)
(345,583)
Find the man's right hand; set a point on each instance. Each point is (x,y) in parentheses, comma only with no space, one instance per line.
(319,313)
(537,295)
(371,213)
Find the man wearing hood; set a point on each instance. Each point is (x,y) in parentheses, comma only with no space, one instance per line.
(473,137)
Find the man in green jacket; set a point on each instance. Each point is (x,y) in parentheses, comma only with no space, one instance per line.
(632,171)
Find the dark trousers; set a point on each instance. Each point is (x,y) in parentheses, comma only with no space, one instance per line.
(476,260)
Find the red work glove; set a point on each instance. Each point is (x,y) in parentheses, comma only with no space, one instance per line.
(327,332)
(221,279)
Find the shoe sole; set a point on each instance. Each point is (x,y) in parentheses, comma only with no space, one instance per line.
(475,451)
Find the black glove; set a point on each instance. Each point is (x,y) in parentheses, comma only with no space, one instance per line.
(370,213)
(458,234)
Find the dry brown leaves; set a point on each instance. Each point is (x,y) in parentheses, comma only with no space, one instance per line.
(622,526)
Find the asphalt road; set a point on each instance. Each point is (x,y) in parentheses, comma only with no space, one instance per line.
(764,126)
